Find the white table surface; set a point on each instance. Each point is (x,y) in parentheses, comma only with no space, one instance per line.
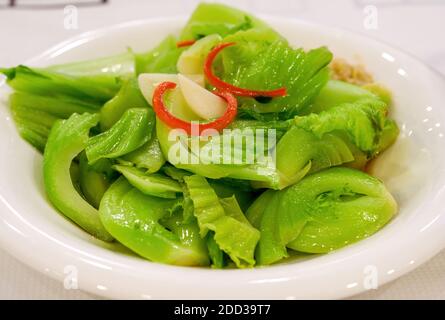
(415,26)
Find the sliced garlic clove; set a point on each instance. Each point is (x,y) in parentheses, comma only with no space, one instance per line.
(201,101)
(149,81)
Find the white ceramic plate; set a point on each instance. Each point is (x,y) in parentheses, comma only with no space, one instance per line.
(413,169)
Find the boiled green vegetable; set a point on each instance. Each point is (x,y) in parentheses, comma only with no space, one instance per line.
(132,131)
(92,89)
(129,96)
(93,183)
(261,62)
(337,92)
(148,157)
(133,218)
(161,59)
(323,212)
(67,139)
(281,179)
(214,18)
(216,255)
(121,65)
(233,233)
(154,184)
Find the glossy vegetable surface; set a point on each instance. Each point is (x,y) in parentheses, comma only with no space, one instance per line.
(67,139)
(133,218)
(323,212)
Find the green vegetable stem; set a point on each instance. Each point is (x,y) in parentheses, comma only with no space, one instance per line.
(67,139)
(325,211)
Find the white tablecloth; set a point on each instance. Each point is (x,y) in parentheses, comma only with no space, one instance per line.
(415,26)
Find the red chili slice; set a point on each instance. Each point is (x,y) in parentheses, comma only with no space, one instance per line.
(185,43)
(164,114)
(224,86)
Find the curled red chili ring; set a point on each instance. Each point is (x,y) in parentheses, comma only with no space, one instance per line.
(185,43)
(165,116)
(224,86)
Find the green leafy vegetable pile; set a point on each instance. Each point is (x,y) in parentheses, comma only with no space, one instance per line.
(109,168)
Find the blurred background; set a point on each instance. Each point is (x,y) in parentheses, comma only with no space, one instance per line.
(413,25)
(28,27)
